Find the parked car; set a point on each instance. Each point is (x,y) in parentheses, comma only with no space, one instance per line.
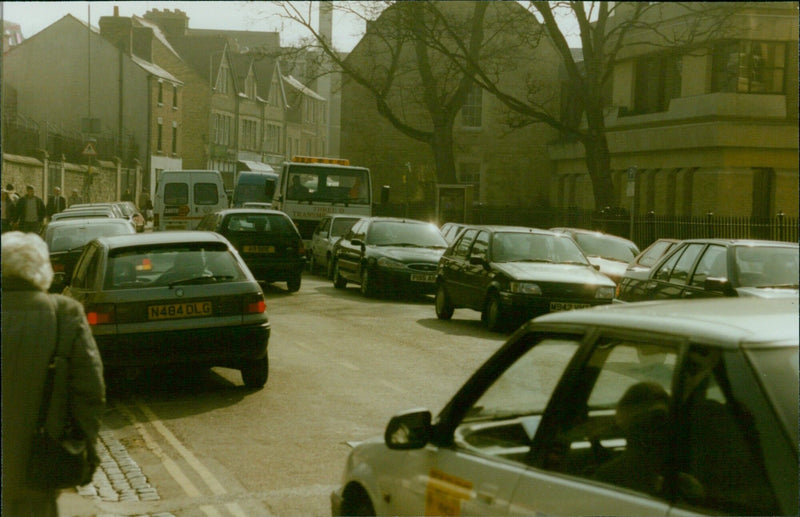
(662,408)
(256,204)
(382,253)
(329,230)
(650,255)
(85,213)
(91,206)
(700,268)
(129,211)
(267,240)
(67,237)
(173,298)
(610,252)
(451,230)
(510,274)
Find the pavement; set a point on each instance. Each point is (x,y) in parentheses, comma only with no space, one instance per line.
(118,487)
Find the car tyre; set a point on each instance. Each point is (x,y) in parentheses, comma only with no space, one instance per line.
(360,505)
(338,281)
(492,314)
(294,281)
(329,267)
(367,284)
(255,373)
(444,308)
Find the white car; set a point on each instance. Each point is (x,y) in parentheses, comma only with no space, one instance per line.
(669,408)
(329,230)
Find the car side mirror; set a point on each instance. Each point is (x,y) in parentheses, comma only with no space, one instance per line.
(409,430)
(721,285)
(357,242)
(478,261)
(596,266)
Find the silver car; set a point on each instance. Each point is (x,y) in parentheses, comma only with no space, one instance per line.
(329,230)
(654,409)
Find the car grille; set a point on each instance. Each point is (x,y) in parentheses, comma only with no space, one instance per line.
(422,267)
(568,290)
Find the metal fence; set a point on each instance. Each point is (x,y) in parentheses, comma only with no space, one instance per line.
(643,230)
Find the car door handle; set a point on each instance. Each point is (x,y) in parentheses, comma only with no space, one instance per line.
(487,493)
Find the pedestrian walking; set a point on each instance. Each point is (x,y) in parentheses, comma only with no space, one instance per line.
(30,211)
(56,203)
(34,325)
(8,204)
(74,198)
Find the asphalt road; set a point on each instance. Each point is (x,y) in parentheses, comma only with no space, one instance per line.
(340,366)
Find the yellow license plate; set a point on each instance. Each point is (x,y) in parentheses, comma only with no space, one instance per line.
(259,249)
(179,310)
(566,306)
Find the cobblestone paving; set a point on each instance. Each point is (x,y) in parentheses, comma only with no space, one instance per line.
(118,478)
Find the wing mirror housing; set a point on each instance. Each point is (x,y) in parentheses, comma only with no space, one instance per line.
(478,261)
(358,242)
(720,285)
(411,429)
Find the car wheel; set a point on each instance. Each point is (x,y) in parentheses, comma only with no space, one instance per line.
(367,283)
(255,373)
(492,313)
(338,281)
(444,309)
(359,504)
(293,283)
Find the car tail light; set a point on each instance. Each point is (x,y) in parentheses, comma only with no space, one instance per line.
(301,249)
(100,314)
(254,304)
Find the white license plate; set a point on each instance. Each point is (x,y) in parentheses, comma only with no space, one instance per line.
(428,279)
(179,310)
(566,306)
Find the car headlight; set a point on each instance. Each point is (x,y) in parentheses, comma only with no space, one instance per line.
(388,263)
(605,293)
(525,288)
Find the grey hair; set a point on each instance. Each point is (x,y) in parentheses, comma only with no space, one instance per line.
(25,256)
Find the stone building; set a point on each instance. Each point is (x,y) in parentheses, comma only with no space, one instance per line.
(504,166)
(706,127)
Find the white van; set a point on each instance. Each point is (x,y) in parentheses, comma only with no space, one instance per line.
(184,197)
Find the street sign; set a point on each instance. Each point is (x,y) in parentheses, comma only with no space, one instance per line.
(89,150)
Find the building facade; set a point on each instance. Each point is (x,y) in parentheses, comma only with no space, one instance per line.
(710,127)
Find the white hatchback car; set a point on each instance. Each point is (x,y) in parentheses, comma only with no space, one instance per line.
(329,230)
(654,409)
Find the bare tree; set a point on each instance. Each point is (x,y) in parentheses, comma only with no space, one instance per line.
(606,29)
(416,87)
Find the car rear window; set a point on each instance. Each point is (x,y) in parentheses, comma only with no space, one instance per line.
(158,266)
(767,266)
(605,247)
(71,237)
(258,223)
(341,226)
(206,194)
(176,194)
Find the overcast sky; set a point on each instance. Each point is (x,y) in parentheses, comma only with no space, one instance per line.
(228,15)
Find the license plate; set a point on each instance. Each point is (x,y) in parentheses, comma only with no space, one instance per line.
(179,310)
(259,249)
(428,279)
(566,306)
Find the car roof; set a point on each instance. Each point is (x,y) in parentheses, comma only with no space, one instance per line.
(249,210)
(88,221)
(587,231)
(743,242)
(395,220)
(168,237)
(729,322)
(495,228)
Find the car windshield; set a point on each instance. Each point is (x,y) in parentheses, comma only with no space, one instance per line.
(70,237)
(340,226)
(767,266)
(397,233)
(159,266)
(605,246)
(535,247)
(257,223)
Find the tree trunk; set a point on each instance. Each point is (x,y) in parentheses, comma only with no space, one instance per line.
(598,163)
(442,146)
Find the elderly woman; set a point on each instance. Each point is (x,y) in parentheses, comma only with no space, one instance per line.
(34,324)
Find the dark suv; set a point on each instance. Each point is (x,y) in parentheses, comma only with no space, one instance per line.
(511,273)
(267,240)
